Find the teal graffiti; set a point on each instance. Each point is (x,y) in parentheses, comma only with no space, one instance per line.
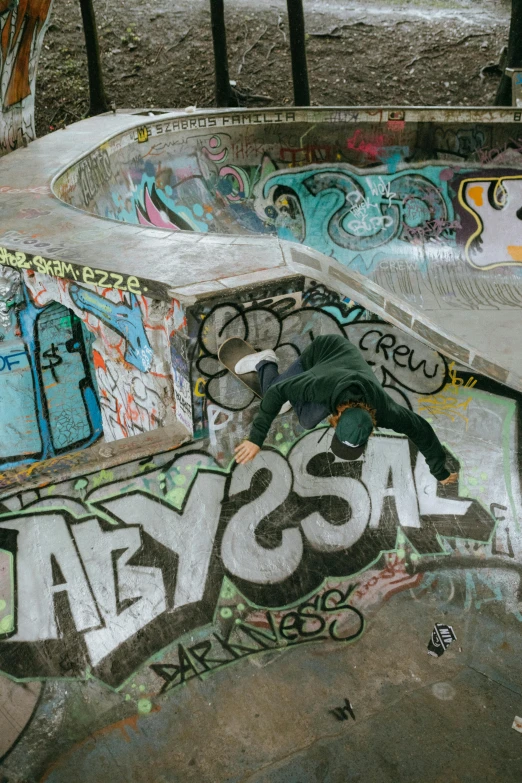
(351,216)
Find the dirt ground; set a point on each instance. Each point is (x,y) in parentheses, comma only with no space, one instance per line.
(418,53)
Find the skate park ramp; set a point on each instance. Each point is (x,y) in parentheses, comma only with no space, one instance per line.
(169,616)
(429,206)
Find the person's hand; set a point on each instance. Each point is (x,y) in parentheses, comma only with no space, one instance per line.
(452,479)
(246,452)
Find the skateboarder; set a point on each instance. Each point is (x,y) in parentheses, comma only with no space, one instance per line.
(332,379)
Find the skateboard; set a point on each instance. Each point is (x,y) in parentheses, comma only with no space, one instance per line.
(230,353)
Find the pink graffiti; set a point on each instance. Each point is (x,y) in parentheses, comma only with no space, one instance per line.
(373,588)
(378,586)
(373,147)
(232,171)
(214,144)
(152,216)
(486,155)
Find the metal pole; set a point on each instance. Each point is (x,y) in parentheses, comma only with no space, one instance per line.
(296,25)
(219,39)
(514,54)
(98,99)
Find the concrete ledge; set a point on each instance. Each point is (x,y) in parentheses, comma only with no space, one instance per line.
(98,457)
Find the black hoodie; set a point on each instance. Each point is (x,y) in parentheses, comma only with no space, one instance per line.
(335,372)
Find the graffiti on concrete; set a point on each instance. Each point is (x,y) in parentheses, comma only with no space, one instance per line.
(238,632)
(389,203)
(286,549)
(356,198)
(179,349)
(130,351)
(157,573)
(78,360)
(68,270)
(107,575)
(63,355)
(190,204)
(22,27)
(449,402)
(349,215)
(10,284)
(287,323)
(495,203)
(123,317)
(94,171)
(155,212)
(462,142)
(47,387)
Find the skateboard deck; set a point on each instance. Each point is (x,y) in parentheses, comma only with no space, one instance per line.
(230,353)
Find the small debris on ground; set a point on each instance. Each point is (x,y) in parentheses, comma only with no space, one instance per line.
(517,724)
(441,638)
(342,713)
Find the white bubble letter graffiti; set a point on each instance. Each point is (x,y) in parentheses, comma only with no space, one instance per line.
(190,533)
(43,538)
(242,555)
(388,460)
(213,413)
(128,597)
(320,533)
(429,502)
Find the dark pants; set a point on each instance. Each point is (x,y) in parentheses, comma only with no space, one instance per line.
(308,413)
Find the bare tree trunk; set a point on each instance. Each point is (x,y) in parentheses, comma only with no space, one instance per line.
(98,99)
(224,92)
(514,54)
(296,27)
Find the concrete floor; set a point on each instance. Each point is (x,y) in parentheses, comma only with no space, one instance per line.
(268,719)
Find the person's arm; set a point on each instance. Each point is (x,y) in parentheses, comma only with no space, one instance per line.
(268,410)
(421,433)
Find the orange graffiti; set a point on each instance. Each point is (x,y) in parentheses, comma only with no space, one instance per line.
(121,725)
(98,360)
(515,251)
(476,194)
(30,17)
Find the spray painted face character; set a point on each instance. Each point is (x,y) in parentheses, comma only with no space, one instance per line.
(286,214)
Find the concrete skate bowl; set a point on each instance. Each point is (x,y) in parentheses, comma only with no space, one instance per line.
(429,207)
(167,615)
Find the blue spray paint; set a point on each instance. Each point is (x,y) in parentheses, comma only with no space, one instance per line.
(49,399)
(125,319)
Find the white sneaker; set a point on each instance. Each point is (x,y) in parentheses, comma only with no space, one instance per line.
(250,362)
(285,408)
